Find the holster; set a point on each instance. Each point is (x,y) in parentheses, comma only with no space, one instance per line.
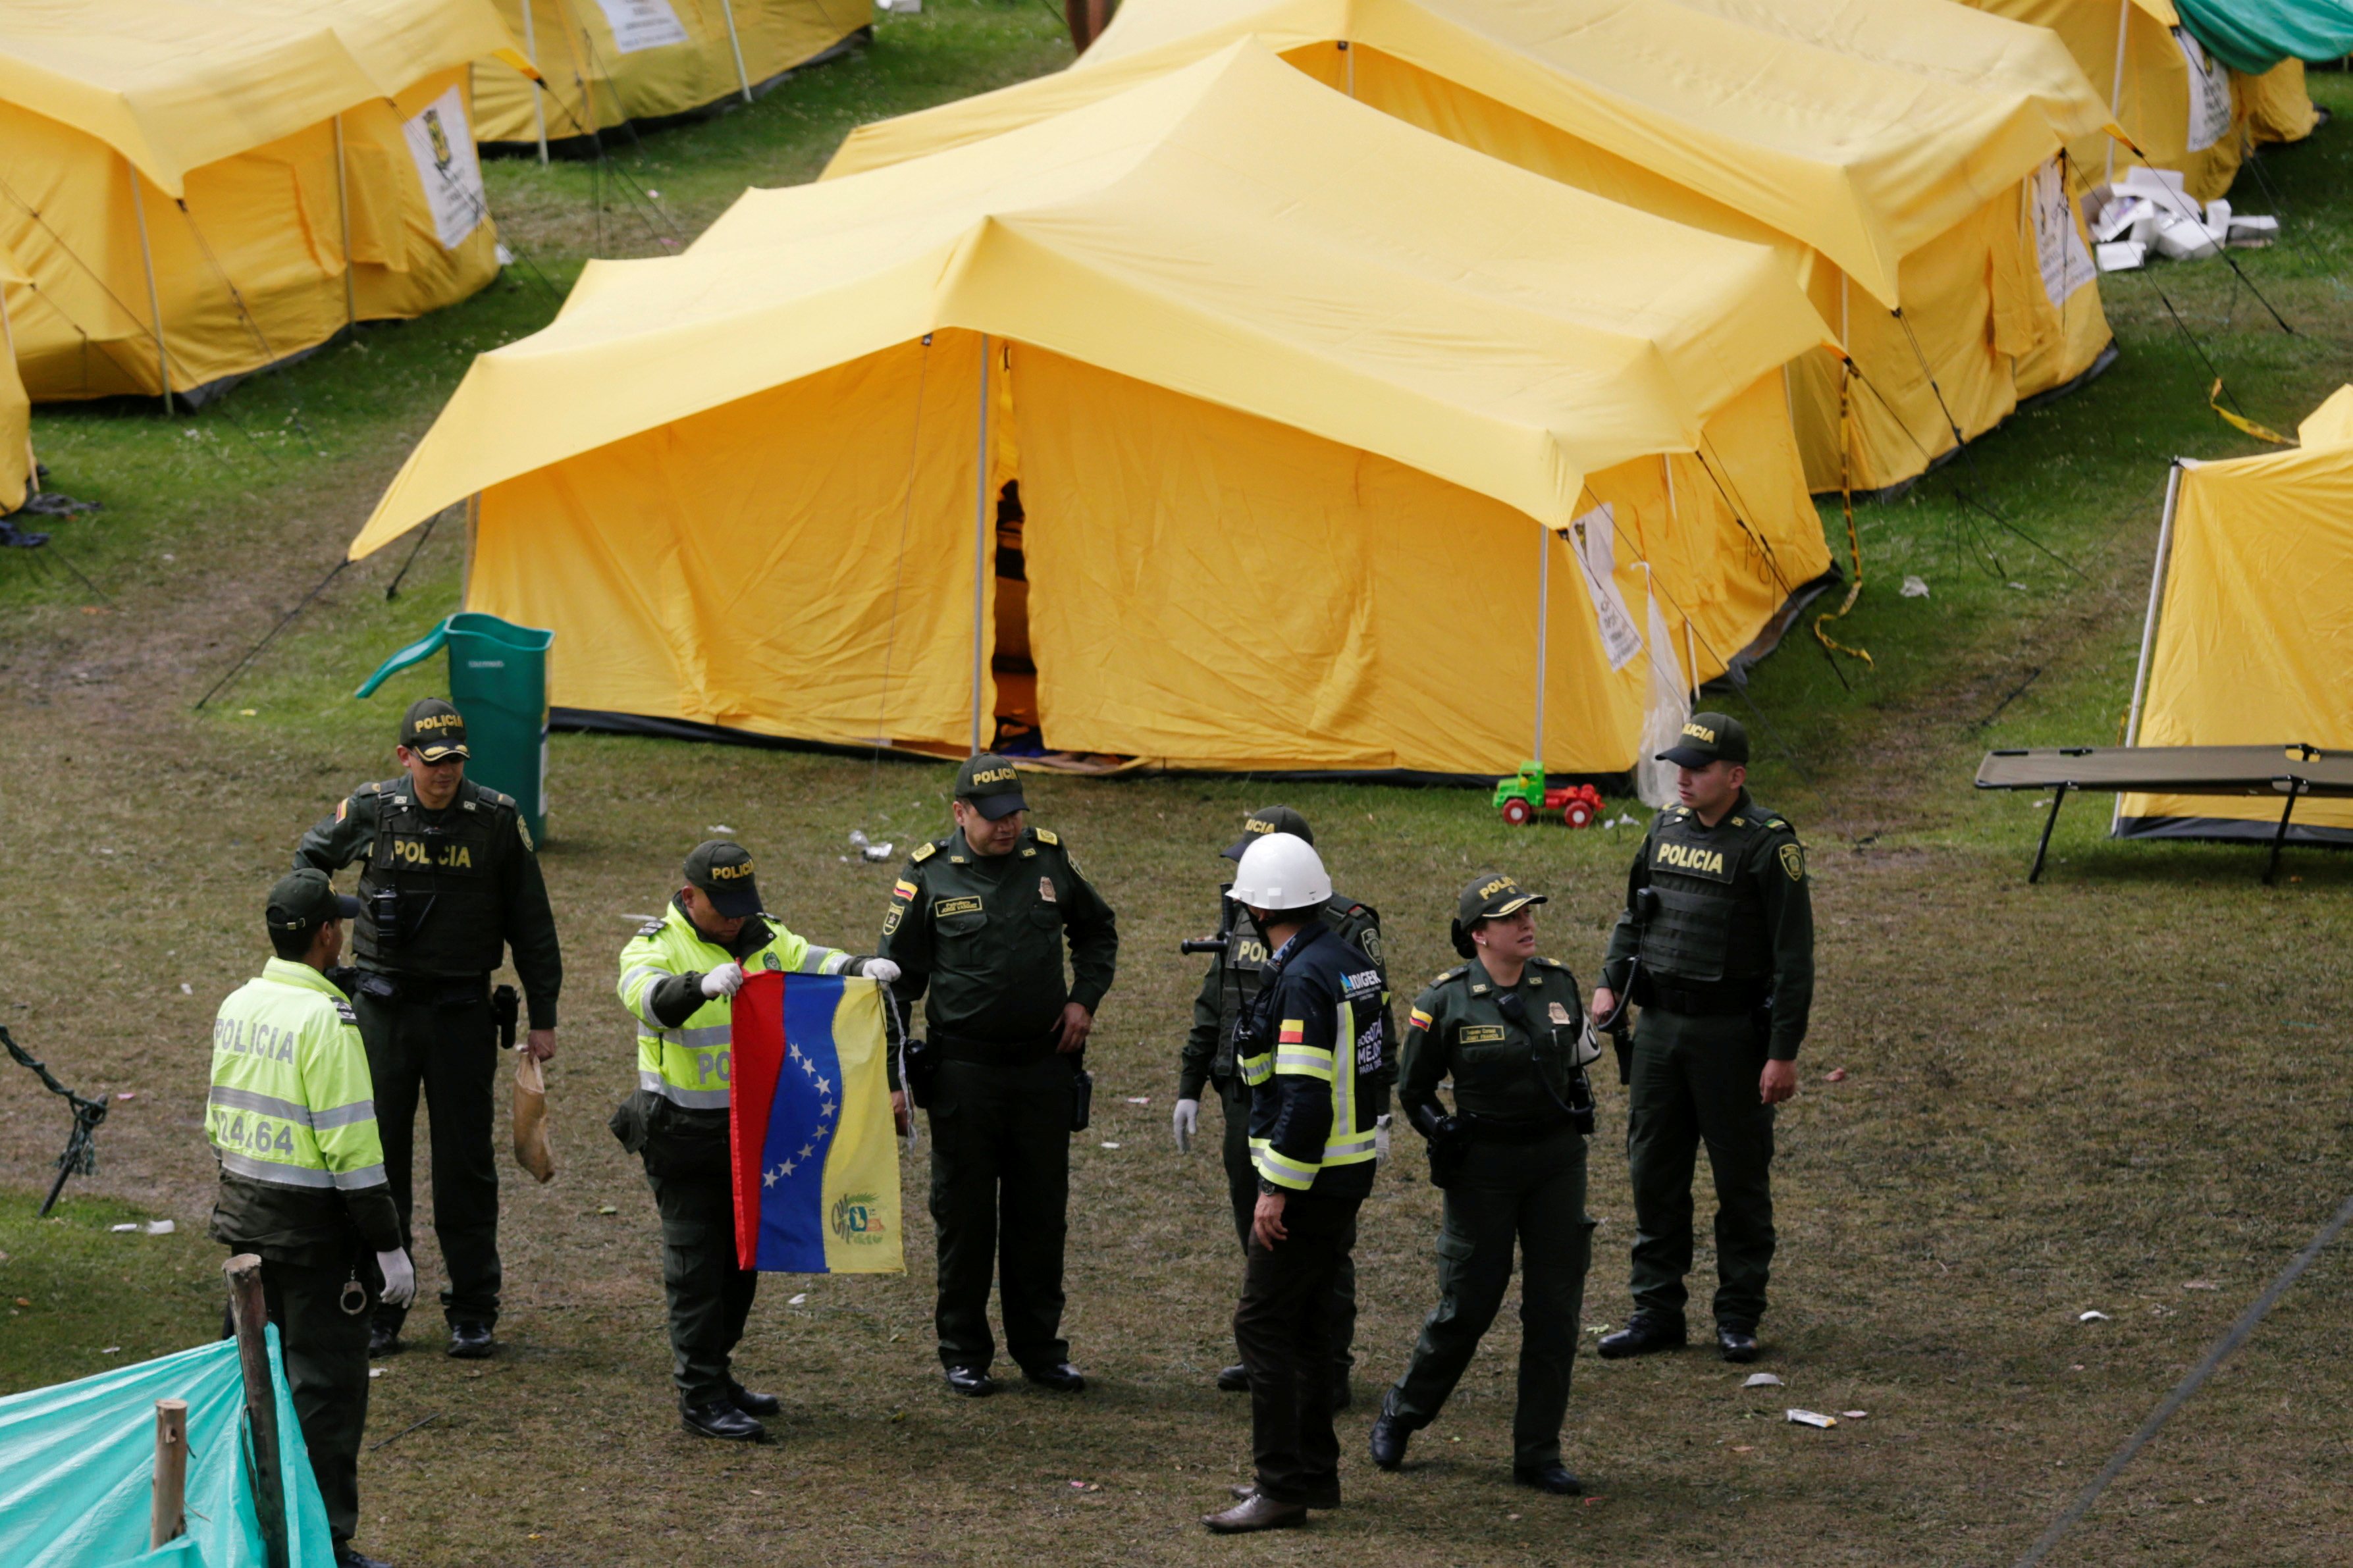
(1083,1094)
(631,1120)
(506,1012)
(1446,1155)
(919,1068)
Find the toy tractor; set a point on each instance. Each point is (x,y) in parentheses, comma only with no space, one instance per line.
(1523,795)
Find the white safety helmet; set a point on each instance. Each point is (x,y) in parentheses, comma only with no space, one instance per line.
(1280,872)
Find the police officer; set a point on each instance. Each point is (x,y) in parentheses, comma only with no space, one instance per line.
(678,976)
(1509,1029)
(1314,1049)
(1208,1059)
(1717,948)
(291,1116)
(979,919)
(451,882)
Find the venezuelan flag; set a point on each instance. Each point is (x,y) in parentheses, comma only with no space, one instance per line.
(817,1166)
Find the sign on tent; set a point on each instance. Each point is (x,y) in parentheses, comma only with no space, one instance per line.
(443,145)
(643,24)
(1594,539)
(2058,243)
(2209,94)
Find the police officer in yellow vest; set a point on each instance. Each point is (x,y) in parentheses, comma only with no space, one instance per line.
(1509,1030)
(291,1116)
(679,975)
(452,884)
(1314,1050)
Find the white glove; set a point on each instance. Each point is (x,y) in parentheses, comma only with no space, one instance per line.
(1187,1121)
(880,968)
(724,981)
(1381,1139)
(399,1277)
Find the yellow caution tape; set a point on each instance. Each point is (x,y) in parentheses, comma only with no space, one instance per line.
(2213,401)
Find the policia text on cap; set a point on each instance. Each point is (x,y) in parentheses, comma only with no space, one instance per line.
(451,883)
(1717,946)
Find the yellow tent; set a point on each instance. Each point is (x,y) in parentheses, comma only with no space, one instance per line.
(1904,146)
(255,173)
(607,62)
(1287,387)
(16,411)
(2250,640)
(2181,108)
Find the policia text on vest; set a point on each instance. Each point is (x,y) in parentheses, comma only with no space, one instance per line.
(449,885)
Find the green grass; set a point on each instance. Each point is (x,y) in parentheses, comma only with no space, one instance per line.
(2094,1093)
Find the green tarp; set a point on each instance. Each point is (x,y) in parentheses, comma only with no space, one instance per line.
(78,1470)
(2254,36)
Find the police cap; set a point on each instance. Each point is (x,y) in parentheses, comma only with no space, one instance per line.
(1490,896)
(723,871)
(434,731)
(1268,819)
(991,786)
(1708,738)
(305,900)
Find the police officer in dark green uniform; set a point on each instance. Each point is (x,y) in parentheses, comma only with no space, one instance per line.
(1509,1029)
(1234,977)
(1716,946)
(452,884)
(979,919)
(292,1120)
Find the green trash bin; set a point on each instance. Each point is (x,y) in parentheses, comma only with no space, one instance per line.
(498,680)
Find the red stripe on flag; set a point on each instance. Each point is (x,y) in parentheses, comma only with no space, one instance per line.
(757,1055)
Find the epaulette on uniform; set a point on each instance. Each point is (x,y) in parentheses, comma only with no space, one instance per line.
(922,853)
(1777,825)
(1549,962)
(652,927)
(495,798)
(348,1014)
(1456,973)
(371,787)
(1046,836)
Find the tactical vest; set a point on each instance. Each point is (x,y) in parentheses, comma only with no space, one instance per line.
(1708,924)
(1515,1069)
(291,1103)
(443,879)
(1241,972)
(692,1064)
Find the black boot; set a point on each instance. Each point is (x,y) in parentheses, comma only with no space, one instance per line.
(720,1419)
(1389,1436)
(1643,1334)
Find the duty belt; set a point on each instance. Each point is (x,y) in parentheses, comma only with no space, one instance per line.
(1704,999)
(997,1053)
(1487,1130)
(439,990)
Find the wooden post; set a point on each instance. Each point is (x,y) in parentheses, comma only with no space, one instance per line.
(169,1517)
(248,1314)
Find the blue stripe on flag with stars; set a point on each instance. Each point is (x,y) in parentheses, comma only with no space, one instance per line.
(802,1122)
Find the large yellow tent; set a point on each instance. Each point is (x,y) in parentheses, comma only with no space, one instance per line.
(2182,109)
(1309,411)
(16,409)
(1900,152)
(2251,634)
(253,173)
(609,61)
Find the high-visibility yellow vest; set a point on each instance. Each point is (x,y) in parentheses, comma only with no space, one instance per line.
(292,1102)
(692,1064)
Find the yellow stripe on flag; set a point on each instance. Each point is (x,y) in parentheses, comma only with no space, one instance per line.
(862,1214)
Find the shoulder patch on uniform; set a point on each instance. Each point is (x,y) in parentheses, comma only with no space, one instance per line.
(924,852)
(523,831)
(1793,860)
(1045,836)
(652,927)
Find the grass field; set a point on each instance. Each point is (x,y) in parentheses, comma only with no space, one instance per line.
(2120,1090)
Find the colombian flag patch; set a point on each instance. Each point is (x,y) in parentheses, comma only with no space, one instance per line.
(902,889)
(1294,1032)
(1420,1019)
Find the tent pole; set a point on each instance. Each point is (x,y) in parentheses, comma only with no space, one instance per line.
(155,302)
(538,88)
(980,555)
(742,77)
(1667,468)
(1350,64)
(343,204)
(1544,617)
(8,347)
(2116,90)
(2156,593)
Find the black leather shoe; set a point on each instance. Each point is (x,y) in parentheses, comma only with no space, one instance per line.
(469,1342)
(1062,1378)
(384,1339)
(1234,1379)
(752,1403)
(1389,1436)
(1244,1490)
(1642,1336)
(348,1556)
(722,1420)
(1256,1512)
(1343,1397)
(1554,1478)
(971,1381)
(1736,1345)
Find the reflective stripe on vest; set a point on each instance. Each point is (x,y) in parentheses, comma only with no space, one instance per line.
(693,1064)
(1344,1145)
(290,1103)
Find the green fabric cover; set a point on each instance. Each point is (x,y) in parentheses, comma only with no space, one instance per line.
(2253,35)
(78,1466)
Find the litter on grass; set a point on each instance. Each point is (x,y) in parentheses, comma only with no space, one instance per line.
(1836,1075)
(2091,1317)
(857,841)
(1110,1145)
(161,1227)
(119,1229)
(1139,1100)
(1762,1380)
(1811,1418)
(796,1300)
(2200,1285)
(1914,588)
(1853,1415)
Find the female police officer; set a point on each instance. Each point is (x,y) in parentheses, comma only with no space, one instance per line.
(1508,1028)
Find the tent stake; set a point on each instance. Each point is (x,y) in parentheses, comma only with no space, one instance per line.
(248,1314)
(742,77)
(167,1519)
(343,204)
(980,555)
(155,302)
